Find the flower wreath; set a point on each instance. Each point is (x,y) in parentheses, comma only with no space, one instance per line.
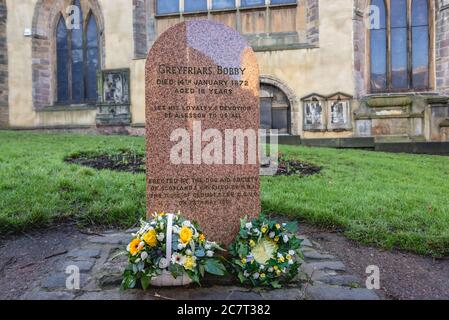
(266,253)
(151,252)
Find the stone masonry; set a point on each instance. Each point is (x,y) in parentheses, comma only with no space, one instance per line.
(322,277)
(442,46)
(4,108)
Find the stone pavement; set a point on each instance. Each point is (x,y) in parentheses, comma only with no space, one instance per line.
(322,277)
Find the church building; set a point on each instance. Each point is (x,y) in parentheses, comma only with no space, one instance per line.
(330,69)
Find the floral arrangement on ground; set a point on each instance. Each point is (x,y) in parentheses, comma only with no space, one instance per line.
(266,253)
(152,253)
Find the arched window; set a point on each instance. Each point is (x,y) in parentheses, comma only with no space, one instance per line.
(399,47)
(77,59)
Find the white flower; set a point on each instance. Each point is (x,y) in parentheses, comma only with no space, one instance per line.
(290,262)
(249,225)
(176,258)
(160,237)
(210,253)
(137,260)
(272,234)
(188,252)
(292,252)
(208,246)
(256,275)
(176,229)
(128,247)
(144,256)
(161,225)
(246,274)
(186,224)
(270,269)
(163,263)
(181,246)
(280,255)
(284,270)
(285,238)
(142,244)
(256,231)
(262,267)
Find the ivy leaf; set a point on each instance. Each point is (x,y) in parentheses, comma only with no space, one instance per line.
(276,285)
(214,267)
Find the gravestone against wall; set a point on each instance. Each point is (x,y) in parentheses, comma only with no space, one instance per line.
(202,122)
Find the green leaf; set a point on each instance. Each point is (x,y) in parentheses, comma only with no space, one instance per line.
(214,267)
(241,277)
(292,226)
(145,281)
(202,270)
(176,270)
(276,285)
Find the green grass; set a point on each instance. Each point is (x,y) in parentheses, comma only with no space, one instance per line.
(390,200)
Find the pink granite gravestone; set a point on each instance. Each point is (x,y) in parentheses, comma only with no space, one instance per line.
(202,122)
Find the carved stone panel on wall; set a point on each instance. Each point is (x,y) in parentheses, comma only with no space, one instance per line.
(339,112)
(114,97)
(314,112)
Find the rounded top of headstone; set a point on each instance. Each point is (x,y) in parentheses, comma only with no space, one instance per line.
(217,41)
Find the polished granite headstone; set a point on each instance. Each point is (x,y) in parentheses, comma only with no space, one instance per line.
(202,87)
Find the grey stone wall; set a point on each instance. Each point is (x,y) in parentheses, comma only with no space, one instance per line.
(442,46)
(4,108)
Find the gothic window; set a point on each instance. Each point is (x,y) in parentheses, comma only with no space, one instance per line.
(77,59)
(399,46)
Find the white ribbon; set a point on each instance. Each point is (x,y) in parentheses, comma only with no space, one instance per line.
(168,242)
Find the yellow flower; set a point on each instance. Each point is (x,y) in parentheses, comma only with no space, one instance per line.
(262,276)
(243,261)
(252,243)
(202,237)
(264,230)
(289,257)
(134,247)
(185,235)
(189,263)
(276,239)
(276,268)
(278,226)
(281,260)
(161,214)
(278,272)
(150,238)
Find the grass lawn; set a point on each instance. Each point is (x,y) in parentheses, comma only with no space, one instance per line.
(390,200)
